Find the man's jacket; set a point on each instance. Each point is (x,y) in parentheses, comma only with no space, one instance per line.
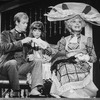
(11,45)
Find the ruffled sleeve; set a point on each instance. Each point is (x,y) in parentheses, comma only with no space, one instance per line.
(91,50)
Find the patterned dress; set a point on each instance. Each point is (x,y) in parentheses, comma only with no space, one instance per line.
(72,78)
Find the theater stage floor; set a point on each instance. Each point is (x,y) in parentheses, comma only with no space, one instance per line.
(49,99)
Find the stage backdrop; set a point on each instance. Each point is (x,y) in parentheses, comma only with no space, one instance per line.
(36,10)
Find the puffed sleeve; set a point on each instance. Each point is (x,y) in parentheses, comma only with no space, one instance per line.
(91,50)
(61,44)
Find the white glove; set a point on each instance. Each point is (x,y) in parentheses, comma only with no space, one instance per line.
(83,57)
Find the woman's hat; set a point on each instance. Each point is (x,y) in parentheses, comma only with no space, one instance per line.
(68,10)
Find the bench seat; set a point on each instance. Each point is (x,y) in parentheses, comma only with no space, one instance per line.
(5,87)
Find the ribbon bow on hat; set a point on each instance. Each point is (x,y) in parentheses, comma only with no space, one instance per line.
(68,10)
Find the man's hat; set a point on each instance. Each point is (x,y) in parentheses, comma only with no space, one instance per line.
(68,10)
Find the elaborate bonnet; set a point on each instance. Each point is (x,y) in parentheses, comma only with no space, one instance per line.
(68,10)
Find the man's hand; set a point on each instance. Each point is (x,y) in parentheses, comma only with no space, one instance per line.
(26,40)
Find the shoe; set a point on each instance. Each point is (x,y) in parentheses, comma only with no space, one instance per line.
(16,94)
(35,92)
(34,96)
(55,96)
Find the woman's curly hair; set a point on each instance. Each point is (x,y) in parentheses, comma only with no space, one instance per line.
(69,21)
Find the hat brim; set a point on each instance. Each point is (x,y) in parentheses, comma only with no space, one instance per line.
(68,10)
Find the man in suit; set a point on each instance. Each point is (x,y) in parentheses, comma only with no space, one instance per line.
(12,42)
